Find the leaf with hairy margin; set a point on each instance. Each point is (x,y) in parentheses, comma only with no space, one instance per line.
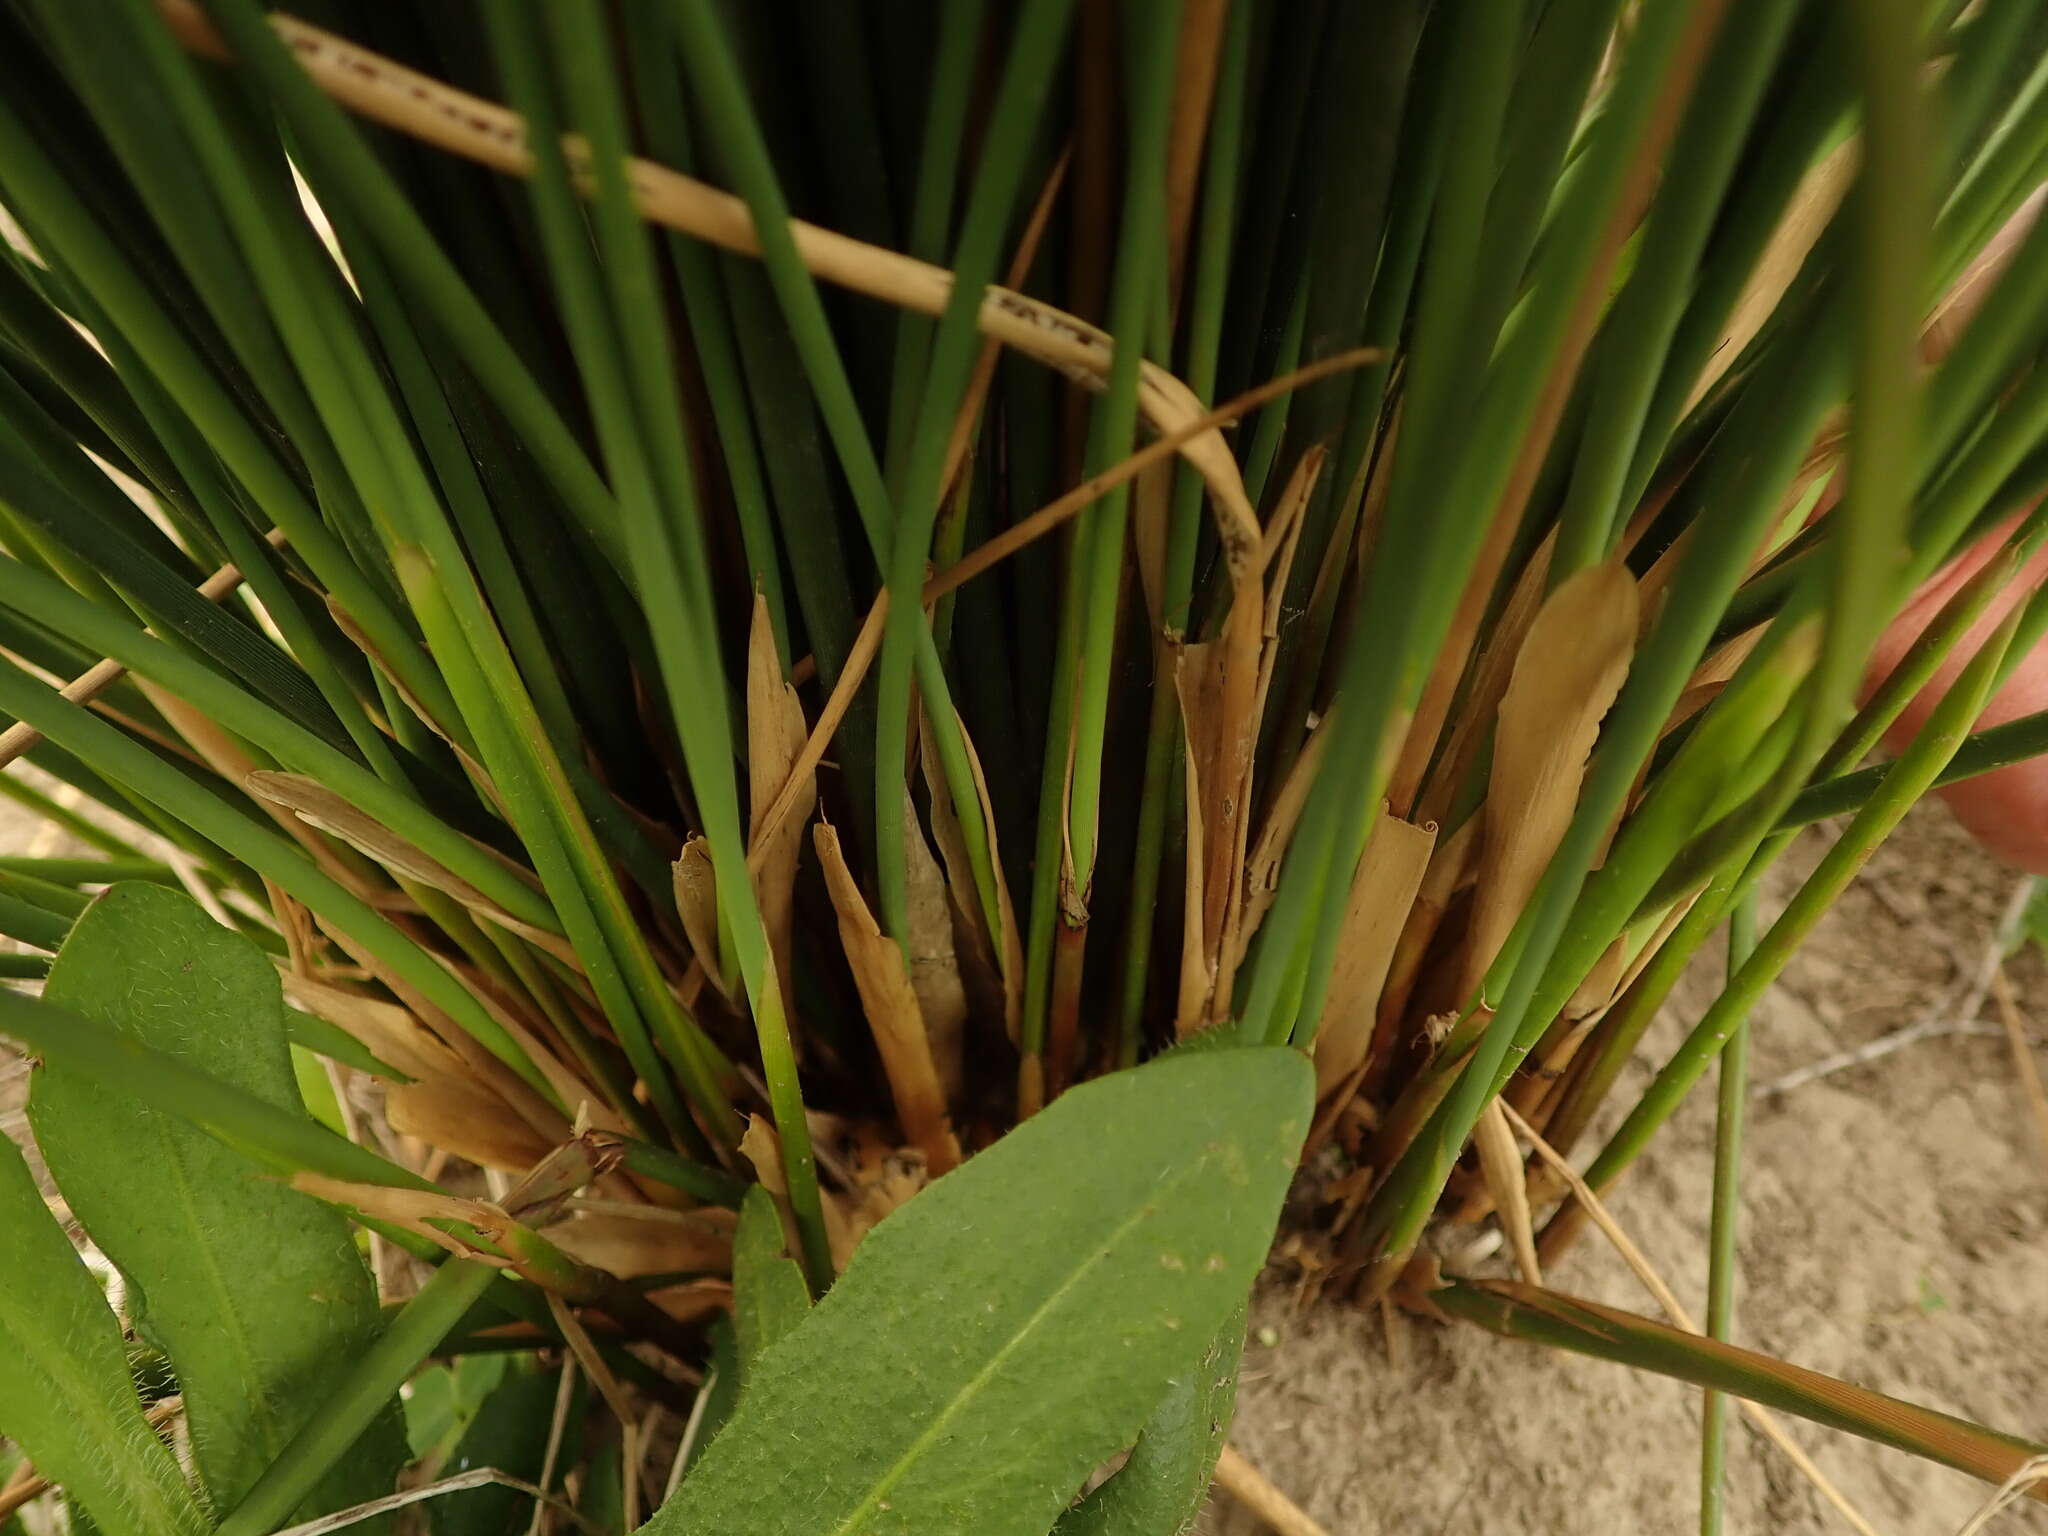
(256,1293)
(1013,1326)
(65,1396)
(769,1296)
(1160,1489)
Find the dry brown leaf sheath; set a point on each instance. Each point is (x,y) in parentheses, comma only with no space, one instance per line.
(1571,667)
(891,1003)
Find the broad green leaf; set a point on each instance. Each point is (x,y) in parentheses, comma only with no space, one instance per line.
(441,1401)
(603,1503)
(65,1396)
(256,1293)
(721,1387)
(509,1432)
(768,1292)
(1012,1326)
(1159,1490)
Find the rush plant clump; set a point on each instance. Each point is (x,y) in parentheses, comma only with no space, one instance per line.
(792,699)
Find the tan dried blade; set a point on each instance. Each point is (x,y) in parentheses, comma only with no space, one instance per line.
(696,890)
(416,1210)
(775,739)
(1001,952)
(1262,869)
(1383,891)
(318,806)
(1481,705)
(569,1088)
(385,1030)
(1192,677)
(1710,677)
(694,1300)
(1420,745)
(759,1146)
(1500,1160)
(1228,765)
(216,749)
(1814,202)
(1571,667)
(934,964)
(884,1176)
(460,1115)
(890,1002)
(295,923)
(1282,541)
(622,1245)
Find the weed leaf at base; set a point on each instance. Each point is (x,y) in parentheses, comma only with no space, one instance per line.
(65,1396)
(256,1293)
(1015,1325)
(768,1292)
(1159,1490)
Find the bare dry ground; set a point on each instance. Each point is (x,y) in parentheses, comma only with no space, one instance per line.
(1896,1234)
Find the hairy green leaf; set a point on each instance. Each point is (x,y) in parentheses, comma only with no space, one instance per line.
(1013,1325)
(65,1397)
(256,1293)
(1159,1490)
(768,1291)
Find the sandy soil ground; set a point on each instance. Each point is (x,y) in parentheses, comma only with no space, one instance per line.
(1896,1234)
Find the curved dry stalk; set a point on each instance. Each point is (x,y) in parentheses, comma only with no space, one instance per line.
(428,109)
(2007,1494)
(853,672)
(459,1482)
(1766,1422)
(1257,1493)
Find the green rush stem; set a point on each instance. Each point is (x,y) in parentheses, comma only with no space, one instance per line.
(717,346)
(1098,547)
(131,764)
(1637,339)
(1744,488)
(907,643)
(1722,1241)
(1890,258)
(1272,427)
(68,871)
(1616,1044)
(1419,567)
(1909,778)
(371,1382)
(1163,740)
(1567,1322)
(86,252)
(1571,272)
(931,211)
(664,531)
(342,165)
(1743,860)
(44,598)
(14,787)
(464,637)
(1048,853)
